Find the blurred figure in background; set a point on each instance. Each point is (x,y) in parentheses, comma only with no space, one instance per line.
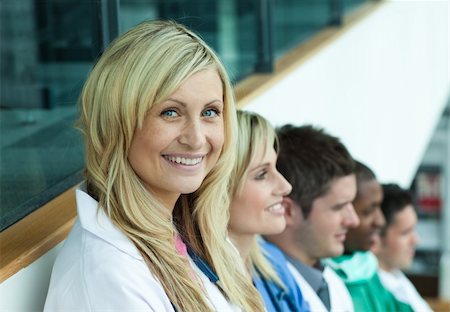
(395,250)
(257,190)
(358,267)
(319,212)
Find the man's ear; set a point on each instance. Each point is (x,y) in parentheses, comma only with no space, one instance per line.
(292,211)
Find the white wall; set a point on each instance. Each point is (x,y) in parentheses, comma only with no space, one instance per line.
(381,87)
(26,290)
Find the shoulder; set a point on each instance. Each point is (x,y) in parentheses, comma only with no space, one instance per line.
(332,278)
(279,262)
(274,255)
(91,274)
(357,268)
(115,279)
(340,298)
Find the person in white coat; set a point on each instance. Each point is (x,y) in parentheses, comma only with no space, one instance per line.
(396,247)
(159,123)
(318,212)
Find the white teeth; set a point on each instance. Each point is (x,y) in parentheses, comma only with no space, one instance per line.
(184,161)
(275,207)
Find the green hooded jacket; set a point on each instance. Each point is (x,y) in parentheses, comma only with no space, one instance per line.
(359,271)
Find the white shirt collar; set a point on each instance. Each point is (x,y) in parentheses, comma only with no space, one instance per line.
(99,224)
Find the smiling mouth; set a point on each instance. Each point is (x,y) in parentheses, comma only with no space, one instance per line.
(276,208)
(186,161)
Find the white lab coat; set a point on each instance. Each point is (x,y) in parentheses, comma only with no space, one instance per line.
(100,269)
(340,299)
(402,288)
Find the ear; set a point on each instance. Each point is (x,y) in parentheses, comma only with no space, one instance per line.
(292,211)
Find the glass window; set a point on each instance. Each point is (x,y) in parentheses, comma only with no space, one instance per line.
(52,44)
(297,20)
(43,67)
(228,26)
(349,5)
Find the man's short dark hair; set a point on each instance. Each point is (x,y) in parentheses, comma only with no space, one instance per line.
(310,159)
(395,200)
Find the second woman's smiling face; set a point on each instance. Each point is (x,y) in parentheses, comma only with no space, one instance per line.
(181,138)
(258,209)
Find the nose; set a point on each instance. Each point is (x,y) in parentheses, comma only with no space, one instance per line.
(284,187)
(351,219)
(378,220)
(193,135)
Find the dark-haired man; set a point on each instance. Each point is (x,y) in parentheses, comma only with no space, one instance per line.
(319,212)
(395,250)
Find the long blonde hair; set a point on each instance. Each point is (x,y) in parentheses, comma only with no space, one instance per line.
(255,134)
(142,67)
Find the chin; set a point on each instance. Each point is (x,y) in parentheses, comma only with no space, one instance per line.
(189,187)
(405,265)
(275,230)
(336,252)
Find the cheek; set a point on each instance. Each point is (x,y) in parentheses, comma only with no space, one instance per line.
(404,244)
(239,202)
(253,199)
(395,246)
(150,139)
(323,224)
(364,225)
(235,214)
(241,214)
(216,135)
(218,139)
(136,151)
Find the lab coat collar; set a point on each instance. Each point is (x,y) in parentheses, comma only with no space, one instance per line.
(99,224)
(393,278)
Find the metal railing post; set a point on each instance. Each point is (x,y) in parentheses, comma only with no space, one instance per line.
(265,63)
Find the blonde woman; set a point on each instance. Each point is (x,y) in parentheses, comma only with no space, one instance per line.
(257,190)
(158,118)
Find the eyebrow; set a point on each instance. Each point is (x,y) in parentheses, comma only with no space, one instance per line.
(340,205)
(184,104)
(265,165)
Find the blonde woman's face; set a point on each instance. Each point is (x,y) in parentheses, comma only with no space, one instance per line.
(181,138)
(258,209)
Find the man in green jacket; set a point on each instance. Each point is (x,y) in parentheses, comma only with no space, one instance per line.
(358,267)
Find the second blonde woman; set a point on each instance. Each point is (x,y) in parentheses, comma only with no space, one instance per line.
(257,191)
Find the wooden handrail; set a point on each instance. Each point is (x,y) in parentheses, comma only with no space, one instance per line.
(30,238)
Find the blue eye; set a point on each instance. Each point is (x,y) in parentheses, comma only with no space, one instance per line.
(170,113)
(210,113)
(261,175)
